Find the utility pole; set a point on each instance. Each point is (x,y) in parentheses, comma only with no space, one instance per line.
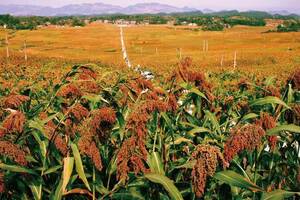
(222,61)
(234,62)
(180,54)
(205,45)
(25,50)
(7,51)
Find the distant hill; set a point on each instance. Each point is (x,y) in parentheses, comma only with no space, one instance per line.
(141,8)
(207,11)
(280,12)
(91,9)
(152,8)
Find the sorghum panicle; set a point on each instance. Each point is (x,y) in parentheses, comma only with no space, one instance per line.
(88,147)
(13,152)
(103,120)
(245,137)
(13,123)
(267,122)
(206,157)
(13,101)
(71,91)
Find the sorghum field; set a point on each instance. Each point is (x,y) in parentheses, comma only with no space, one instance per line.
(76,123)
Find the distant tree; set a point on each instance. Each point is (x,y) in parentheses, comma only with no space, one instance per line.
(289,26)
(214,27)
(245,21)
(77,22)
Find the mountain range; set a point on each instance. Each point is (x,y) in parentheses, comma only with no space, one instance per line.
(101,8)
(91,9)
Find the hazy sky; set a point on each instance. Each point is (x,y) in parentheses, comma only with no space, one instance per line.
(291,5)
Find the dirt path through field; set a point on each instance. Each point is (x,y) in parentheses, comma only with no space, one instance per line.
(124,48)
(146,74)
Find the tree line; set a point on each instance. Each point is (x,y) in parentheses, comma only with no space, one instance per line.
(209,22)
(32,22)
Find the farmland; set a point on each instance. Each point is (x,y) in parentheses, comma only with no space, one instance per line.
(158,47)
(96,43)
(255,51)
(76,123)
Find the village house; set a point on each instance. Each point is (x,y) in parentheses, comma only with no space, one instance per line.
(122,22)
(184,23)
(273,22)
(106,21)
(192,24)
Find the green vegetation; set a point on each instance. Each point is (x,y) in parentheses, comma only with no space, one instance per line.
(77,22)
(289,26)
(245,21)
(213,27)
(213,21)
(32,22)
(98,132)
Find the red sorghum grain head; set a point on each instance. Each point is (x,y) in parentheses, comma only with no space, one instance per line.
(61,144)
(127,158)
(246,137)
(173,105)
(71,91)
(200,81)
(183,68)
(13,101)
(78,113)
(69,127)
(91,86)
(13,152)
(267,122)
(59,141)
(206,157)
(88,147)
(103,120)
(188,76)
(271,91)
(133,154)
(13,123)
